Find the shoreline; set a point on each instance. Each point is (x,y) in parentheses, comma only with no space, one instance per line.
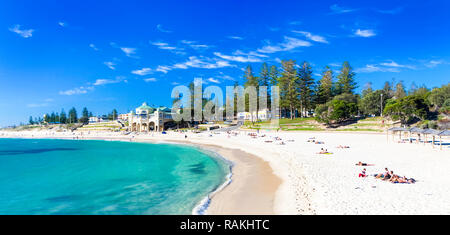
(251,189)
(244,182)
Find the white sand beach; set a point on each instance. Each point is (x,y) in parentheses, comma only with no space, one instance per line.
(313,183)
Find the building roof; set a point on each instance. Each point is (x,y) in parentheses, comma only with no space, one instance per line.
(164,109)
(144,106)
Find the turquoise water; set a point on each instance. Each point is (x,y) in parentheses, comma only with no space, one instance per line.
(100,177)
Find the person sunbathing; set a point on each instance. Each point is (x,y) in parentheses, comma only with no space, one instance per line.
(320,142)
(388,176)
(411,181)
(382,176)
(324,152)
(364,164)
(394,179)
(343,147)
(363,174)
(401,180)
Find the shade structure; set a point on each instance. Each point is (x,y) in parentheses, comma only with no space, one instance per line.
(431,132)
(395,129)
(444,133)
(416,130)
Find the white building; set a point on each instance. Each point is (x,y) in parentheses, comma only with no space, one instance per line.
(147,118)
(124,117)
(263,115)
(95,120)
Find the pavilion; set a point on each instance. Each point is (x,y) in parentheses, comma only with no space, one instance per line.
(419,132)
(147,118)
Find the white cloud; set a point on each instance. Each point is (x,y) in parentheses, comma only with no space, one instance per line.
(142,72)
(288,44)
(193,62)
(150,80)
(160,28)
(334,65)
(101,82)
(315,38)
(370,68)
(295,23)
(25,33)
(93,47)
(110,65)
(236,37)
(128,51)
(166,46)
(77,91)
(163,46)
(202,62)
(195,45)
(39,105)
(433,63)
(336,9)
(175,83)
(213,80)
(62,24)
(226,77)
(239,58)
(365,33)
(396,65)
(163,69)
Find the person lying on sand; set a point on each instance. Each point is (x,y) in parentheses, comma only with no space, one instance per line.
(382,176)
(343,147)
(363,164)
(324,151)
(401,180)
(320,142)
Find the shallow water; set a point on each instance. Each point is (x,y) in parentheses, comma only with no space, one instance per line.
(102,177)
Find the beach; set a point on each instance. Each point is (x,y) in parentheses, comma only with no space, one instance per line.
(294,179)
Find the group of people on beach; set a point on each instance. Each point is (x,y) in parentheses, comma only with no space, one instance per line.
(387,176)
(393,178)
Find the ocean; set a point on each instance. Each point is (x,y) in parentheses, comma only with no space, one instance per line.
(90,177)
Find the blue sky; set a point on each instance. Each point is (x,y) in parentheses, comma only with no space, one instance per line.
(117,54)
